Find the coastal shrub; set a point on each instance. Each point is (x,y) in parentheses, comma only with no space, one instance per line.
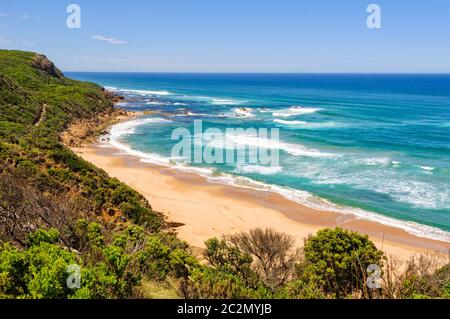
(424,277)
(69,159)
(158,260)
(87,237)
(38,271)
(43,236)
(133,210)
(181,263)
(302,289)
(223,256)
(27,168)
(122,194)
(338,259)
(97,282)
(211,283)
(446,292)
(274,254)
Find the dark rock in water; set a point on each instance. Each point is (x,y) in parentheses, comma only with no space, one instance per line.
(42,63)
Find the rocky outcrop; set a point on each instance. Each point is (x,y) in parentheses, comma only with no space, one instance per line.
(42,63)
(113,97)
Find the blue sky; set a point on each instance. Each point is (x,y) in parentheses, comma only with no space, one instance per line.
(233,35)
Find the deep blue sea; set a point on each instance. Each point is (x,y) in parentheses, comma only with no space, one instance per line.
(376,146)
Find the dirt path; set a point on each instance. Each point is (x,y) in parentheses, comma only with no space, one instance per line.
(41,115)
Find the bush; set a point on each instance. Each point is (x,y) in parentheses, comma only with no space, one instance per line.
(339,259)
(274,254)
(209,283)
(40,271)
(226,257)
(157,260)
(43,236)
(424,277)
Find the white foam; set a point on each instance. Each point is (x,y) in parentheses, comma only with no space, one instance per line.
(290,122)
(144,157)
(388,182)
(301,197)
(295,110)
(307,125)
(309,200)
(190,114)
(234,141)
(128,128)
(140,92)
(427,168)
(216,101)
(375,161)
(257,169)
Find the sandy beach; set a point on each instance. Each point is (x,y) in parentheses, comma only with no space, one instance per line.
(207,210)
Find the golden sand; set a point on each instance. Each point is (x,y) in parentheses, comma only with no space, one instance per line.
(207,210)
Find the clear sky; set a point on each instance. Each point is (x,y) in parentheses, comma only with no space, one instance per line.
(233,35)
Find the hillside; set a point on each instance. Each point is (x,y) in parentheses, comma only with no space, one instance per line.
(38,103)
(46,189)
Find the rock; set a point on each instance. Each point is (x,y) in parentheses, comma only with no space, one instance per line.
(42,63)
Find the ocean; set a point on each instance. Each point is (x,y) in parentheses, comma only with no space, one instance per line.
(374,146)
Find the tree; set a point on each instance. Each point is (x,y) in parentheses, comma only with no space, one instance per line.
(226,257)
(274,254)
(339,259)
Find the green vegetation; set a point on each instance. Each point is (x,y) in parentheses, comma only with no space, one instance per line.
(109,268)
(333,264)
(44,185)
(60,214)
(36,106)
(339,260)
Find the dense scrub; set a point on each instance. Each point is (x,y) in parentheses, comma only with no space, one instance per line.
(334,263)
(45,189)
(37,103)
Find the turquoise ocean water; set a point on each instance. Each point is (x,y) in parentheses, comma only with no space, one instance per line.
(376,146)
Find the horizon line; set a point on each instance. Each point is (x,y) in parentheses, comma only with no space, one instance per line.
(263,73)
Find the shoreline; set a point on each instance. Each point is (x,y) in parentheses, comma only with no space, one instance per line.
(208,210)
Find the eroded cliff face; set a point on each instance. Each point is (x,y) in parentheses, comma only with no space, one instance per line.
(42,63)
